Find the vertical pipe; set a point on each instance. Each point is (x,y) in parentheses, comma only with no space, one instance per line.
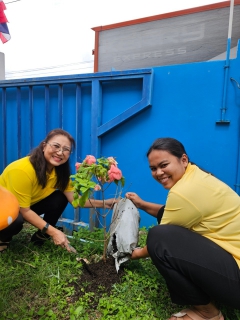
(60,106)
(230,19)
(30,97)
(96,51)
(60,116)
(96,118)
(47,128)
(19,131)
(226,67)
(237,183)
(77,211)
(78,122)
(4,126)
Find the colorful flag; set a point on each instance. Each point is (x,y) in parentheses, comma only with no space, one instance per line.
(4,32)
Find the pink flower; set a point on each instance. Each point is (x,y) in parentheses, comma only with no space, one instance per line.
(114,173)
(77,165)
(97,187)
(90,159)
(112,161)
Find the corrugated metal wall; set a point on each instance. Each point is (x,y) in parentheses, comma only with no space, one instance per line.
(120,114)
(192,35)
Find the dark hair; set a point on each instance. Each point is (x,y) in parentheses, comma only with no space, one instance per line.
(170,145)
(39,162)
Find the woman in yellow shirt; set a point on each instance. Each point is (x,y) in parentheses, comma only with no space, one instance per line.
(196,246)
(41,184)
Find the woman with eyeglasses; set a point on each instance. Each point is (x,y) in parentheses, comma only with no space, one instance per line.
(196,245)
(41,184)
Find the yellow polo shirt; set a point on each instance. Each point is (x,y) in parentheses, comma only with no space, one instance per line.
(206,205)
(19,177)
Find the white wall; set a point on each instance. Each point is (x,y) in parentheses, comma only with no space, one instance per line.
(2,66)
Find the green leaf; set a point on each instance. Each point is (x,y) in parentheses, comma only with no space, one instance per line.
(41,311)
(50,313)
(122,181)
(103,161)
(75,195)
(78,310)
(83,182)
(75,203)
(84,198)
(91,184)
(84,189)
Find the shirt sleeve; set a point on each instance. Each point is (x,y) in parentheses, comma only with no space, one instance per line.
(160,214)
(20,184)
(180,211)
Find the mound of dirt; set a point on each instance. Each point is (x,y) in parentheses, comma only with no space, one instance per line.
(97,278)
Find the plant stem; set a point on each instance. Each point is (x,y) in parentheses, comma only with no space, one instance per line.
(105,230)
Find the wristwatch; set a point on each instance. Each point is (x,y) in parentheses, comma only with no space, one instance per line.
(44,229)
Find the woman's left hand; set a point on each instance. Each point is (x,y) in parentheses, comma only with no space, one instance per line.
(139,253)
(60,239)
(109,203)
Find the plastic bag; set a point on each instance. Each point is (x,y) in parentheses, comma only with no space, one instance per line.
(124,231)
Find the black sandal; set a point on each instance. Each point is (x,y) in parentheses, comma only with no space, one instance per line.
(38,238)
(3,246)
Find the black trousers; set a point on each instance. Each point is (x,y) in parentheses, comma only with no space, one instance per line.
(14,228)
(197,271)
(51,207)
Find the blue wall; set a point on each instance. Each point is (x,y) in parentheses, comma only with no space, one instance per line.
(138,106)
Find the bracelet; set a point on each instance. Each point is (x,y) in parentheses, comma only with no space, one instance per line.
(44,229)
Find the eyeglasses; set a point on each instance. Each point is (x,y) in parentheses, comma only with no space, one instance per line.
(56,148)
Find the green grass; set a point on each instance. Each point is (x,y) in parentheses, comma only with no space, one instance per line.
(37,283)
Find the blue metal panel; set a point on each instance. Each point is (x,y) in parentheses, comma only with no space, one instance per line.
(186,102)
(74,103)
(108,114)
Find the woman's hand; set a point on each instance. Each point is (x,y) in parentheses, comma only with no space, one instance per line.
(149,207)
(109,203)
(60,239)
(139,253)
(135,199)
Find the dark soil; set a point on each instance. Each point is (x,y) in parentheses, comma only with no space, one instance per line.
(97,278)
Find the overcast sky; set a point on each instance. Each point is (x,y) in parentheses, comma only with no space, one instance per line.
(50,37)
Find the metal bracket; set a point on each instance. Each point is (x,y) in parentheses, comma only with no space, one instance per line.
(238,85)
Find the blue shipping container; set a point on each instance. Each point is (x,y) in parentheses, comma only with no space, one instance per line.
(120,114)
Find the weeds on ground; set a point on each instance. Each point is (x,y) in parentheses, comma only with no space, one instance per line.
(35,284)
